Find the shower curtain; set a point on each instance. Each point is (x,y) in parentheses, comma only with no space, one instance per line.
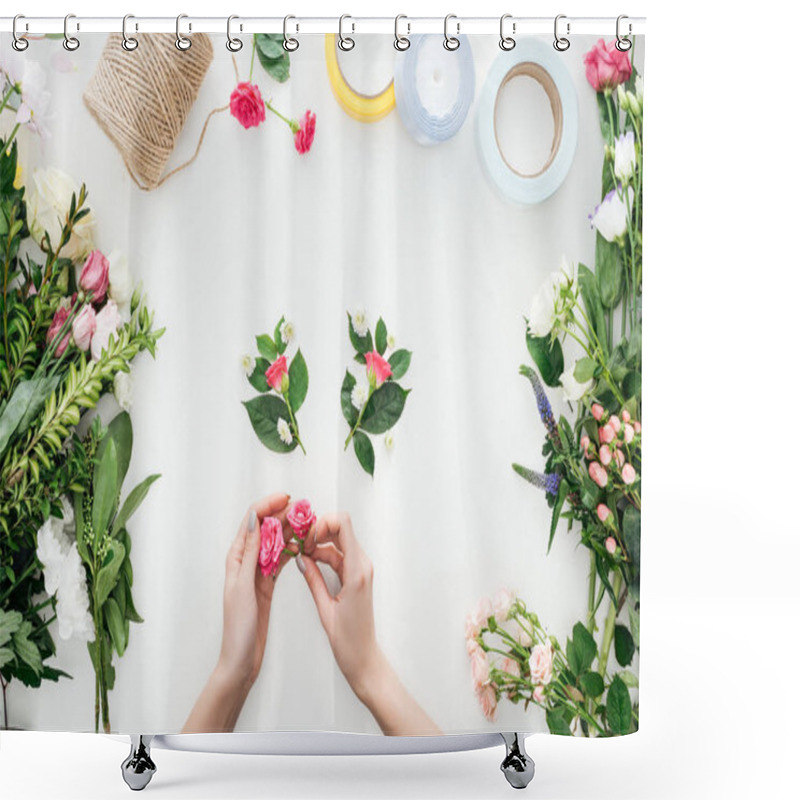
(320,385)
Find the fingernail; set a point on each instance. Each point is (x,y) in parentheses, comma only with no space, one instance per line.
(301,564)
(251,520)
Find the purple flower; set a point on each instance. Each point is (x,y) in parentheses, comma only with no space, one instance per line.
(543,404)
(547,481)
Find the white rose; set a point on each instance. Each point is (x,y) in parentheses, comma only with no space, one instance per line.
(550,301)
(123,390)
(625,156)
(610,218)
(574,391)
(48,200)
(120,283)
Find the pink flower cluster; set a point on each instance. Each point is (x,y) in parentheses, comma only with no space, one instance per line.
(301,519)
(615,437)
(91,328)
(606,67)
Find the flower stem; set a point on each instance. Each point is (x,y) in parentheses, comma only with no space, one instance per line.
(611,619)
(7,97)
(277,113)
(294,423)
(252,60)
(11,137)
(358,421)
(4,686)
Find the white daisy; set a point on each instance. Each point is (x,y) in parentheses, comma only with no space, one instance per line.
(287,332)
(284,431)
(359,395)
(360,325)
(248,364)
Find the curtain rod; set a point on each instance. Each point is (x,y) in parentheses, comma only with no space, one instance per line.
(606,26)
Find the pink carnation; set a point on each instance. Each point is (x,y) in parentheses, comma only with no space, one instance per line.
(247,105)
(606,67)
(378,369)
(272,545)
(304,135)
(276,373)
(301,517)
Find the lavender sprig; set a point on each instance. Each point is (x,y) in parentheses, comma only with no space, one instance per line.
(543,404)
(547,481)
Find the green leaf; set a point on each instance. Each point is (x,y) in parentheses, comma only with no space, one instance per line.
(584,369)
(115,624)
(558,721)
(272,57)
(25,649)
(132,502)
(563,490)
(608,269)
(632,384)
(258,377)
(548,357)
(380,336)
(364,451)
(105,490)
(270,44)
(264,412)
(83,549)
(581,649)
(618,707)
(349,411)
(298,381)
(108,574)
(633,616)
(6,656)
(592,304)
(384,408)
(10,622)
(624,647)
(267,347)
(362,344)
(592,684)
(25,403)
(279,343)
(608,119)
(632,533)
(120,431)
(130,609)
(629,679)
(399,361)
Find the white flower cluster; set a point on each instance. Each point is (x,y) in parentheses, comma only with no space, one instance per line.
(553,302)
(65,575)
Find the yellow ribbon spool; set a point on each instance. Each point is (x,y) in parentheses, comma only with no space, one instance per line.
(361,107)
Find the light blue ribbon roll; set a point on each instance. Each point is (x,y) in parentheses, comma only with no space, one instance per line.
(446,79)
(537,59)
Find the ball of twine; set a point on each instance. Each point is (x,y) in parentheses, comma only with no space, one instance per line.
(141,99)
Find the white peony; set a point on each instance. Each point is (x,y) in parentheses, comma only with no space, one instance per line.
(48,200)
(123,390)
(287,332)
(284,431)
(120,283)
(360,325)
(574,391)
(625,156)
(359,395)
(610,218)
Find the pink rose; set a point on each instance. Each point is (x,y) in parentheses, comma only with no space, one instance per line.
(629,432)
(538,694)
(611,545)
(598,411)
(272,545)
(304,135)
(628,474)
(94,276)
(615,423)
(83,327)
(483,612)
(619,457)
(607,433)
(503,601)
(603,512)
(472,646)
(511,666)
(480,669)
(301,518)
(56,325)
(598,474)
(516,630)
(605,455)
(637,427)
(626,417)
(247,105)
(487,697)
(541,663)
(276,374)
(472,629)
(108,321)
(378,369)
(606,67)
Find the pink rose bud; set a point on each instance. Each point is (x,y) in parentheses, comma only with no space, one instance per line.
(628,474)
(272,544)
(247,105)
(605,455)
(619,457)
(277,374)
(55,328)
(598,411)
(637,427)
(606,67)
(480,668)
(603,512)
(108,322)
(83,327)
(538,694)
(585,444)
(626,417)
(487,697)
(94,276)
(629,432)
(607,433)
(378,369)
(598,474)
(300,517)
(615,423)
(304,134)
(611,545)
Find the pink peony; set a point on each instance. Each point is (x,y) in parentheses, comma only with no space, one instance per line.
(108,321)
(605,455)
(615,423)
(480,668)
(501,606)
(538,694)
(487,697)
(598,474)
(94,276)
(598,411)
(606,67)
(304,135)
(607,433)
(611,545)
(83,327)
(55,328)
(629,432)
(277,373)
(301,518)
(272,545)
(603,512)
(247,105)
(628,474)
(541,663)
(378,369)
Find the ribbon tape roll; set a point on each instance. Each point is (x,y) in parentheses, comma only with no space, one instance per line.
(364,108)
(434,88)
(538,60)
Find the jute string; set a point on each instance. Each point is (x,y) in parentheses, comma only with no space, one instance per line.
(141,100)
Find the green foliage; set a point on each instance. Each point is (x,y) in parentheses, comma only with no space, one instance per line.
(272,55)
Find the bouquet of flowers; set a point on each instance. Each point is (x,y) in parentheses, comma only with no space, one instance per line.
(72,323)
(592,471)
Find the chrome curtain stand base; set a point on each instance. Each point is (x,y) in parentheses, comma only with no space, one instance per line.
(138,768)
(517,766)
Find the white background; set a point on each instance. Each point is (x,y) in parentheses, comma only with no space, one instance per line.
(721,593)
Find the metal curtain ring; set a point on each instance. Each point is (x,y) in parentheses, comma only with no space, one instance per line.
(182,42)
(129,43)
(401,43)
(233,45)
(290,44)
(19,43)
(561,43)
(623,42)
(346,42)
(451,42)
(507,42)
(70,43)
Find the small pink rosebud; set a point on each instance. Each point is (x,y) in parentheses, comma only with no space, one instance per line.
(615,423)
(585,444)
(629,432)
(83,327)
(598,411)
(55,328)
(611,545)
(538,694)
(626,416)
(378,369)
(607,433)
(301,518)
(619,456)
(628,474)
(94,276)
(278,374)
(304,135)
(637,427)
(605,455)
(603,512)
(598,474)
